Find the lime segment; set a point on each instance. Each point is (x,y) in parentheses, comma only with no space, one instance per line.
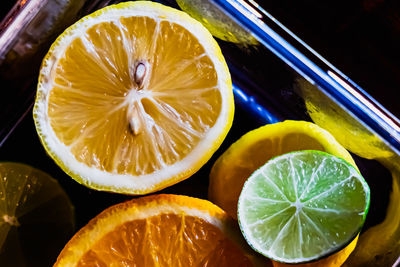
(303,206)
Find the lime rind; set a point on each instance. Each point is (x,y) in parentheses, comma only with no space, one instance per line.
(258,146)
(290,211)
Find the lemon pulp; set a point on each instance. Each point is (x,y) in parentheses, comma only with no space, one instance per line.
(97,98)
(133,98)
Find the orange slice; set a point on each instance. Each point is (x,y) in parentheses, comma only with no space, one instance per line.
(159,230)
(133,98)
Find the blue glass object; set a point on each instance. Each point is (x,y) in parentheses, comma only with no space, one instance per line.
(319,72)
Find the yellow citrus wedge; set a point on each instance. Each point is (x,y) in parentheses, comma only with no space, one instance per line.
(217,22)
(353,135)
(36,216)
(160,230)
(133,98)
(379,245)
(256,147)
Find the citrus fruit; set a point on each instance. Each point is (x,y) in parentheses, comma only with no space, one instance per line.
(255,148)
(334,260)
(353,135)
(217,22)
(36,216)
(159,230)
(379,244)
(303,206)
(133,98)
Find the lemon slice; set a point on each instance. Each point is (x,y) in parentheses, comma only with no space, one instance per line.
(217,22)
(133,98)
(352,134)
(160,230)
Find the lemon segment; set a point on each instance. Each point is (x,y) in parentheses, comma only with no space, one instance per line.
(352,134)
(217,22)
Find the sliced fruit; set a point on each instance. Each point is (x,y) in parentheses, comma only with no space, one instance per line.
(217,22)
(159,230)
(255,148)
(334,260)
(379,244)
(133,98)
(303,206)
(353,135)
(36,216)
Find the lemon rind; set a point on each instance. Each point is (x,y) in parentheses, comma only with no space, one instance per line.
(129,184)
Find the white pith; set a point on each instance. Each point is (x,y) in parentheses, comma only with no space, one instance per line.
(128,183)
(108,223)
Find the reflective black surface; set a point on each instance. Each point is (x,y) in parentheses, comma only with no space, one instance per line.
(359,37)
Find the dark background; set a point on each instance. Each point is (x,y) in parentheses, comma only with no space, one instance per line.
(360,37)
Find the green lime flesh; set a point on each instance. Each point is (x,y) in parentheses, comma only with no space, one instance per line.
(303,206)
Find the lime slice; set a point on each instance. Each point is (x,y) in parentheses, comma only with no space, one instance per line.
(303,206)
(256,147)
(36,216)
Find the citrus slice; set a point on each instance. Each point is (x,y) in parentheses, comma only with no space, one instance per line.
(303,206)
(217,22)
(378,245)
(334,260)
(133,98)
(348,130)
(159,230)
(36,216)
(256,147)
